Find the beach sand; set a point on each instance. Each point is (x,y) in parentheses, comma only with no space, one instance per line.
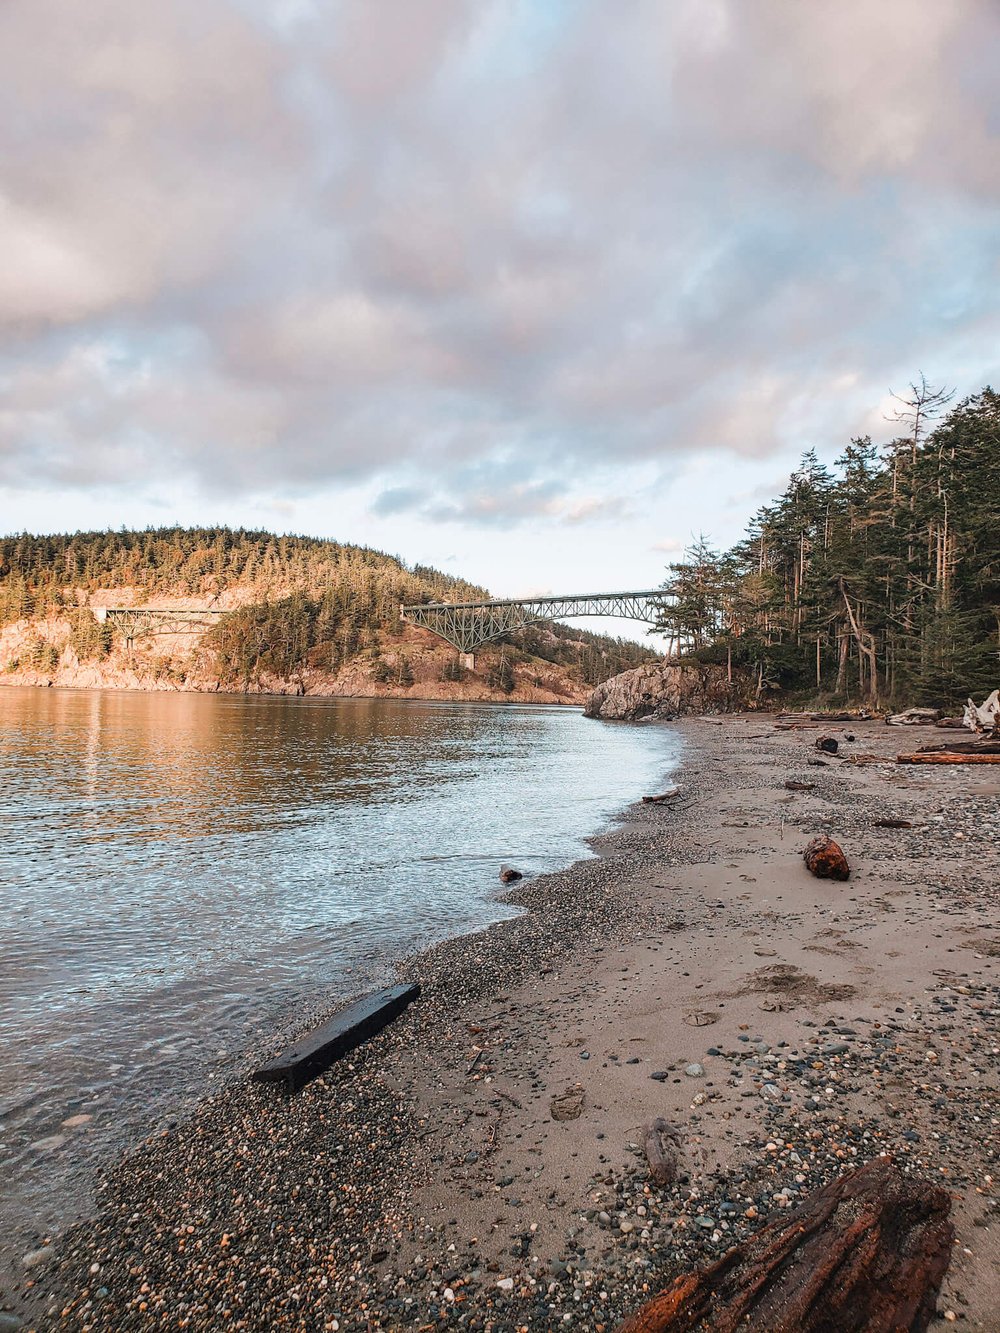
(789,1028)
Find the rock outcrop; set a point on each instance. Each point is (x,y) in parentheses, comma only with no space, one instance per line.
(666,690)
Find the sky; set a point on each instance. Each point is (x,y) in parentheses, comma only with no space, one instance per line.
(535,292)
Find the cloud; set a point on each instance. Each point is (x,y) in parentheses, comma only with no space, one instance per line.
(471,253)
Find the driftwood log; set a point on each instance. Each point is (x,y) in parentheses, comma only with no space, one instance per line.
(664,796)
(948,757)
(660,1145)
(963,747)
(792,785)
(914,717)
(864,1254)
(893,823)
(825,859)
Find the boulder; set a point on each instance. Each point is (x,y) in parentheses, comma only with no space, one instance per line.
(668,689)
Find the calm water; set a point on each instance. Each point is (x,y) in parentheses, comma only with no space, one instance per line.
(178,872)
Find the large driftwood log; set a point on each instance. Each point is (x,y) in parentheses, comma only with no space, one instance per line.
(948,757)
(864,1254)
(963,747)
(825,859)
(914,717)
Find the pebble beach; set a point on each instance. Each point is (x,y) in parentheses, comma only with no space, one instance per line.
(479,1164)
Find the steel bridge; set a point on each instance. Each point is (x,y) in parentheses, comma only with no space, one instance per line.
(136,622)
(468,625)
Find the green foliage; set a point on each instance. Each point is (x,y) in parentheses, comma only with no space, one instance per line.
(879,582)
(501,674)
(90,640)
(453,669)
(404,672)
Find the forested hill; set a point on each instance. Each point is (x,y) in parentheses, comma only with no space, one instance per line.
(297,605)
(876,582)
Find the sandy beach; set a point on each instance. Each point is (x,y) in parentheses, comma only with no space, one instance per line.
(478,1164)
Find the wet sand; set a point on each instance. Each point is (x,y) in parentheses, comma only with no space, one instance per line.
(424,1183)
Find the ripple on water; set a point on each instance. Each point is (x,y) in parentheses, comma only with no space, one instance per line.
(178,871)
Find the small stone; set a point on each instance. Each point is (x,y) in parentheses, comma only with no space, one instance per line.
(36,1257)
(661,1075)
(506,1284)
(50,1144)
(694,1070)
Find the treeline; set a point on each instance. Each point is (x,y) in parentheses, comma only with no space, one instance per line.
(877,582)
(307,602)
(41,573)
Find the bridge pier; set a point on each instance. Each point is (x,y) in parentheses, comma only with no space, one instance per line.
(468,661)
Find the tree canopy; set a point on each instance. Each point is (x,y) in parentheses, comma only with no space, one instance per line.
(876,581)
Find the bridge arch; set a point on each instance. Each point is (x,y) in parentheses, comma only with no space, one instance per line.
(469,625)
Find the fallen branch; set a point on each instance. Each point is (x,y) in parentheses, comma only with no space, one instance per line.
(666,796)
(864,1254)
(892,823)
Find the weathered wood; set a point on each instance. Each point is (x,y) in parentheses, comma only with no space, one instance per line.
(664,796)
(962,747)
(825,858)
(792,785)
(914,717)
(827,717)
(660,1146)
(314,1053)
(948,757)
(892,823)
(864,1254)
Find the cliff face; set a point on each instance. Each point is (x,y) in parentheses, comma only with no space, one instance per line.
(413,665)
(666,690)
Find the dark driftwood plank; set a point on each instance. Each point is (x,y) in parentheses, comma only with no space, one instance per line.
(317,1050)
(947,757)
(864,1254)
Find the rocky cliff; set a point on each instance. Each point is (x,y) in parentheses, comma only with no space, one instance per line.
(666,690)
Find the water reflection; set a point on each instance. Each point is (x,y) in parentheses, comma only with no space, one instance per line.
(176,870)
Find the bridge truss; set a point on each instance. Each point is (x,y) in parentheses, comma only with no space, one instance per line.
(136,622)
(468,625)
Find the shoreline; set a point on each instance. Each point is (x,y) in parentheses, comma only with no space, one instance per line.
(424,1181)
